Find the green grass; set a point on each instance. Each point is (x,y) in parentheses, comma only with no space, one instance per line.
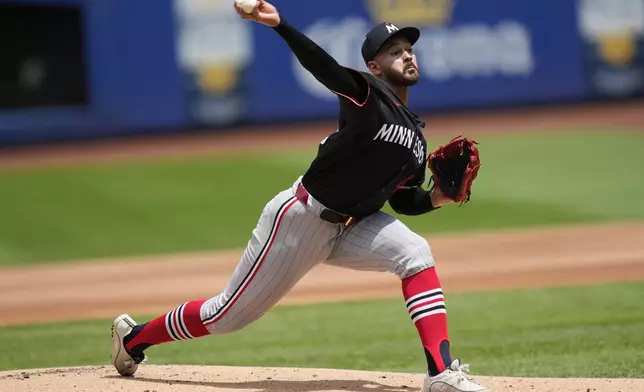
(591,331)
(202,203)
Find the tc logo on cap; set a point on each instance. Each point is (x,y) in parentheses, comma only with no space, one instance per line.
(391,28)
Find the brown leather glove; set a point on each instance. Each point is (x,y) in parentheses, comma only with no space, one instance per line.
(454,168)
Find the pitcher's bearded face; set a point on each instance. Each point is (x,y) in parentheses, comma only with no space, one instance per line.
(396,63)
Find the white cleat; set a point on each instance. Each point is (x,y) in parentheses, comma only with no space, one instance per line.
(124,363)
(453,379)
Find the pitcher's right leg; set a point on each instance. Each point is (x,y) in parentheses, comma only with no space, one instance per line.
(287,242)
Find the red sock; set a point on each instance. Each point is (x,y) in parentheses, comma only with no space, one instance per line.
(182,323)
(425,303)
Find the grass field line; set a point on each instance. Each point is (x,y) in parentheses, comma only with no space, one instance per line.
(470,262)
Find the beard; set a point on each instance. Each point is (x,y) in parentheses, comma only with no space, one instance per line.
(404,78)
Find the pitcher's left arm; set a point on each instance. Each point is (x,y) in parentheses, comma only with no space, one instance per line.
(415,200)
(412,199)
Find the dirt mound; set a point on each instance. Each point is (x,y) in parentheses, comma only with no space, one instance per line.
(231,379)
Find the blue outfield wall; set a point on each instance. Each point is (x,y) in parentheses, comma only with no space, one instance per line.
(131,70)
(177,64)
(471,53)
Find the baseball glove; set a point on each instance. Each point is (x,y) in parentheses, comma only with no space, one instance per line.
(454,168)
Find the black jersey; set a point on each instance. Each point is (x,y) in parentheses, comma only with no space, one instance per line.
(378,152)
(378,147)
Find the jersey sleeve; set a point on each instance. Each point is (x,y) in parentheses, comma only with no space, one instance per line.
(417,180)
(344,82)
(411,201)
(411,198)
(363,90)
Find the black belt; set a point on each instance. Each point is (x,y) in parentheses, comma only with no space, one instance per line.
(327,215)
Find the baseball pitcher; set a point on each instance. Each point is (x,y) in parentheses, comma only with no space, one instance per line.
(332,213)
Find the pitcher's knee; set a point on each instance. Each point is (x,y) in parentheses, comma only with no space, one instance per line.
(416,257)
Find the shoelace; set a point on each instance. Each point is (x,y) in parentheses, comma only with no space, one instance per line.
(461,370)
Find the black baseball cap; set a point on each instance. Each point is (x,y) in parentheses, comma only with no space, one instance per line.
(379,35)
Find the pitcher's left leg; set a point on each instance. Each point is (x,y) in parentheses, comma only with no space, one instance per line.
(383,243)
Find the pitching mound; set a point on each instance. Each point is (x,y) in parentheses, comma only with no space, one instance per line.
(230,379)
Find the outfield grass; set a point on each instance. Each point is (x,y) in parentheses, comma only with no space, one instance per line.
(592,331)
(200,203)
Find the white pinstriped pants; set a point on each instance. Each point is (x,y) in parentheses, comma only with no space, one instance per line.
(290,239)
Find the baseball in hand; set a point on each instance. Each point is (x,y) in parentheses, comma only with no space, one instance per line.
(247,5)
